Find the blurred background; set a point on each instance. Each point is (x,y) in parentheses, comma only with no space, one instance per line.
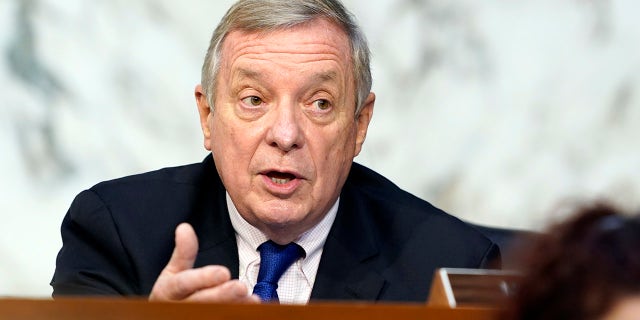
(500,112)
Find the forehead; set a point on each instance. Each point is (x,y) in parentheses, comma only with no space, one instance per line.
(317,40)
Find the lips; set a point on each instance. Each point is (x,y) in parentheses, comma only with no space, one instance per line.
(280,177)
(281,183)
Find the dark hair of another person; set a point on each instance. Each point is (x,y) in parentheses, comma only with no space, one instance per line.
(580,268)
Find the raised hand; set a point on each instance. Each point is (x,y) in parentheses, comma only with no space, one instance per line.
(179,281)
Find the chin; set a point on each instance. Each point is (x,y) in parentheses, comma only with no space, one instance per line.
(281,217)
(277,218)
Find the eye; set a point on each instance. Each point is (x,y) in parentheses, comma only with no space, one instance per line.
(252,101)
(322,104)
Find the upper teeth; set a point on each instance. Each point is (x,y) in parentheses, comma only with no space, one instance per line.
(280,181)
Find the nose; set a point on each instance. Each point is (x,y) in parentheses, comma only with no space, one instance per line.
(285,132)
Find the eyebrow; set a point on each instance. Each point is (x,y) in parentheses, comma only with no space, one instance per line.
(325,76)
(246,73)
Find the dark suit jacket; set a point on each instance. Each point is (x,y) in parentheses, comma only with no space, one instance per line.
(384,244)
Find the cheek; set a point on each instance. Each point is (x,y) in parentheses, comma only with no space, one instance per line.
(224,133)
(338,152)
(343,143)
(219,136)
(226,151)
(235,142)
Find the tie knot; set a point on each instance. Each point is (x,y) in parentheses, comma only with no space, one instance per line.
(275,259)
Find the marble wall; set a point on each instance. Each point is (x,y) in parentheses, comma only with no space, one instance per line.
(498,111)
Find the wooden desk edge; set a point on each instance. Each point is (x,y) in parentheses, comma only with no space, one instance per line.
(114,308)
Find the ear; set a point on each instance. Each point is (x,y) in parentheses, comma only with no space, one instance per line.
(205,113)
(362,121)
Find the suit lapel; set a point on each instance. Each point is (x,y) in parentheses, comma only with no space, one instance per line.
(347,269)
(216,237)
(224,253)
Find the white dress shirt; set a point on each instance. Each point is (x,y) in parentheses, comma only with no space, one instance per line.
(294,287)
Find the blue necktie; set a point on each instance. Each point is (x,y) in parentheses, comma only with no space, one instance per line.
(275,259)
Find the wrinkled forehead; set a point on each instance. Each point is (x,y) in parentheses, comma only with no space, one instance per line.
(316,37)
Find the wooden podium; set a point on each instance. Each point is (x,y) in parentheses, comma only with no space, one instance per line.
(455,287)
(109,308)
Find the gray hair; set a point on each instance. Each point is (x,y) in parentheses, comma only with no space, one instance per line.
(271,15)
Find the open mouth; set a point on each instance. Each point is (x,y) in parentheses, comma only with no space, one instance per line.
(280,177)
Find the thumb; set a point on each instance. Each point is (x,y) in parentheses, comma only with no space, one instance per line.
(186,250)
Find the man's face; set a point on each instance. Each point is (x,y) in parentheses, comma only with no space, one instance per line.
(283,131)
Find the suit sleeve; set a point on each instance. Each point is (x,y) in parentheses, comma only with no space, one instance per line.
(92,260)
(492,258)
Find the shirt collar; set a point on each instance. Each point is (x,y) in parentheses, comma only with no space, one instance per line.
(311,240)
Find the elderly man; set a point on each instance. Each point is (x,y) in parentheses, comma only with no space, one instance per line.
(278,209)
